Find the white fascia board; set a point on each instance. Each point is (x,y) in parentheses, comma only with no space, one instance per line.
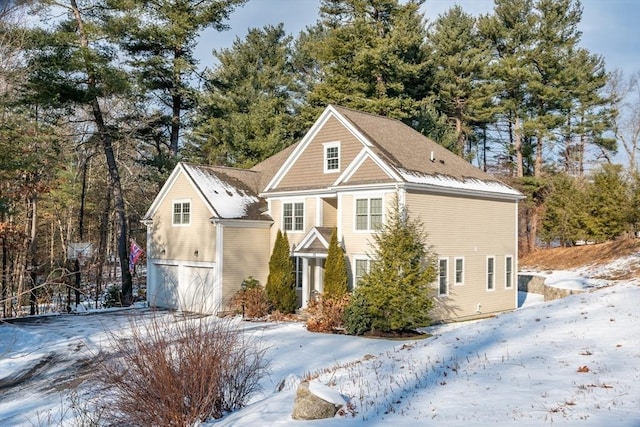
(313,234)
(242,223)
(306,140)
(363,155)
(298,194)
(163,191)
(463,192)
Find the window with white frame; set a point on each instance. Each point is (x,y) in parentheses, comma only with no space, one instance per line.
(491,264)
(443,276)
(459,276)
(368,214)
(362,266)
(332,157)
(181,212)
(508,272)
(297,266)
(293,216)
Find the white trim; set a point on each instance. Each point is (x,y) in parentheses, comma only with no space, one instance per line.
(508,285)
(486,274)
(455,270)
(355,259)
(328,112)
(462,192)
(446,276)
(242,223)
(357,162)
(325,147)
(319,212)
(369,229)
(310,237)
(166,188)
(219,272)
(293,202)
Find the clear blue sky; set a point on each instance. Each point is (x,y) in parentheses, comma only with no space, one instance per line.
(610,27)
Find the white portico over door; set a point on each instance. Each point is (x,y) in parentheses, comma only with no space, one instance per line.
(310,255)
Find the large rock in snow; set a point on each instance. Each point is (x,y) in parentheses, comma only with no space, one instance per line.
(315,401)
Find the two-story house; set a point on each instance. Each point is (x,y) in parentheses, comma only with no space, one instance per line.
(211,227)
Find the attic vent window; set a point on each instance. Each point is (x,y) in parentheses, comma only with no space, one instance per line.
(331,157)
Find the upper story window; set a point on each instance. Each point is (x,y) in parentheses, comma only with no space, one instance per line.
(368,214)
(331,157)
(181,213)
(293,216)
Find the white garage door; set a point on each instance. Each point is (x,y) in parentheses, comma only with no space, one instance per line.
(184,287)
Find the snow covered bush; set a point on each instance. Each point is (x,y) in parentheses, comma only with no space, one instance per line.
(176,371)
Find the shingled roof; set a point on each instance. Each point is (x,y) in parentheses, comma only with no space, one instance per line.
(418,159)
(231,192)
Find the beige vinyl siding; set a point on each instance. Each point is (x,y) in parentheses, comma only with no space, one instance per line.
(246,253)
(358,243)
(329,212)
(308,171)
(475,229)
(180,242)
(294,237)
(369,171)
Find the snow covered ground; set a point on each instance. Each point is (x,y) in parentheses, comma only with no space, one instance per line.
(574,361)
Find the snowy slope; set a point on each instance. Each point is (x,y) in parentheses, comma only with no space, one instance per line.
(574,361)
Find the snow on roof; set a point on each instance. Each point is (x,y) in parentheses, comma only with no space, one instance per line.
(228,200)
(445,181)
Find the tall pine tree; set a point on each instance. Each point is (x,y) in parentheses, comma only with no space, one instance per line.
(248,109)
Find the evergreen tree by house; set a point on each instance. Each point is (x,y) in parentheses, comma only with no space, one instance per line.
(280,288)
(608,204)
(564,211)
(248,108)
(397,293)
(335,270)
(371,57)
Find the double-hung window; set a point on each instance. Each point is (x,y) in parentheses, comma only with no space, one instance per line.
(491,276)
(368,214)
(331,157)
(508,272)
(362,266)
(443,276)
(459,277)
(293,216)
(181,213)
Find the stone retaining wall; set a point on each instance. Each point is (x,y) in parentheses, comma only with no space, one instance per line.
(533,283)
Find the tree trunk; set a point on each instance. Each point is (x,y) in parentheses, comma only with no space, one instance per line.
(537,169)
(517,146)
(107,145)
(104,240)
(176,108)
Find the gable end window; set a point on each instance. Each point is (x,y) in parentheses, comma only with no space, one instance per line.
(181,213)
(368,214)
(293,216)
(332,157)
